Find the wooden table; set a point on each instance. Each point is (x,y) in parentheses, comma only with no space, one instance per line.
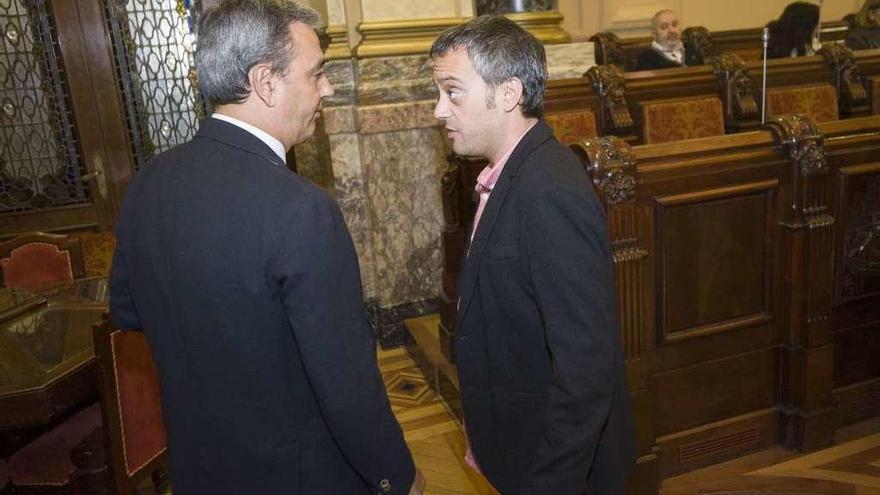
(47,359)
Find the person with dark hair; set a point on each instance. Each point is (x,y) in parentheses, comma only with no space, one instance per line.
(537,345)
(244,278)
(667,50)
(866,32)
(796,32)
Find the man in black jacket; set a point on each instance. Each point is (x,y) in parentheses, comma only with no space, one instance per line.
(537,344)
(244,278)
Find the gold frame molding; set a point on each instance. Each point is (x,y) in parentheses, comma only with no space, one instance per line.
(414,36)
(338,48)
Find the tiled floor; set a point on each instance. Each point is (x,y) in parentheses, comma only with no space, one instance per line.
(852,467)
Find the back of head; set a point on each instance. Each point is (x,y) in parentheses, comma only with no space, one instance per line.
(239,34)
(500,50)
(794,28)
(863,17)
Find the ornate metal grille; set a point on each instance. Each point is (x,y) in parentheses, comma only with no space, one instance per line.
(40,164)
(153,42)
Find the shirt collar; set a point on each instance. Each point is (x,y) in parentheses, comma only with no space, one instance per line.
(489,175)
(674,54)
(260,134)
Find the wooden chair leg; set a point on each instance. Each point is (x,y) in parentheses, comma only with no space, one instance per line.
(91,475)
(160,481)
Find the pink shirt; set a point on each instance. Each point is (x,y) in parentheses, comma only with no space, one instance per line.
(489,176)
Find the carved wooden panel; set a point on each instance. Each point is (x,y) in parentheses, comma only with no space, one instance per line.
(715,259)
(858,211)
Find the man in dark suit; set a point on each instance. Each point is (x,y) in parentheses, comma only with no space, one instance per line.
(245,280)
(537,343)
(667,50)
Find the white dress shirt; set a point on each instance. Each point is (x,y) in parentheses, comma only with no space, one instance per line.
(260,134)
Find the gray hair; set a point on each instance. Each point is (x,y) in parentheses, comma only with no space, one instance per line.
(657,16)
(500,50)
(239,34)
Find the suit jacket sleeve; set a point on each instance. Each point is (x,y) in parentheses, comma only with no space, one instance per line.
(320,285)
(570,265)
(123,312)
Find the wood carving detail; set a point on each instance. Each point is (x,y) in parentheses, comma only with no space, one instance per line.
(608,50)
(612,166)
(608,82)
(848,78)
(739,93)
(698,38)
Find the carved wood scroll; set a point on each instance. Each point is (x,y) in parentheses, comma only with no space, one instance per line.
(607,48)
(698,38)
(848,77)
(608,83)
(738,89)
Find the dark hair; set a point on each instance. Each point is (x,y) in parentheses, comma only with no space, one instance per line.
(499,50)
(239,34)
(793,30)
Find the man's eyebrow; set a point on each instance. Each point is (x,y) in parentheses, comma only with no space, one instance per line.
(319,65)
(449,78)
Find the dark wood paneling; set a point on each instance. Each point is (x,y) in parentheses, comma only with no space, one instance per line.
(715,253)
(727,388)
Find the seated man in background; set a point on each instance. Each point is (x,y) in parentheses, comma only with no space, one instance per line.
(667,50)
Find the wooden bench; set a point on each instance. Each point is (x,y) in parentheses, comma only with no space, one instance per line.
(747,273)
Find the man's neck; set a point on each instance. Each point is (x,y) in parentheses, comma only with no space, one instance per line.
(513,133)
(256,117)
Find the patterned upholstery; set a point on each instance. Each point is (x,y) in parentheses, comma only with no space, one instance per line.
(817,101)
(682,118)
(874,88)
(129,392)
(37,258)
(571,127)
(46,461)
(97,252)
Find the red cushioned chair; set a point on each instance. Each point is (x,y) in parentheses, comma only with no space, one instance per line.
(45,465)
(36,259)
(129,392)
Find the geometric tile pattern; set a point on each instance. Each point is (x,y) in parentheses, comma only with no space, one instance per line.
(855,463)
(432,434)
(418,409)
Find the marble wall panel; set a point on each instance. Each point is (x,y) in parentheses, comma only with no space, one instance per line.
(403,170)
(570,60)
(313,160)
(335,12)
(351,195)
(397,116)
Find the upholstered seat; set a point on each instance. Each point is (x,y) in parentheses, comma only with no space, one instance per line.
(573,126)
(678,119)
(45,464)
(817,101)
(97,252)
(37,259)
(129,392)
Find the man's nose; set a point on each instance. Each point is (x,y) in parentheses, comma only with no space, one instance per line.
(440,109)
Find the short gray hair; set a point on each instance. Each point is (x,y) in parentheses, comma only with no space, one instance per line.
(499,50)
(239,34)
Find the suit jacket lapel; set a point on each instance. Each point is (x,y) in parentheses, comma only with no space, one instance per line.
(467,280)
(232,135)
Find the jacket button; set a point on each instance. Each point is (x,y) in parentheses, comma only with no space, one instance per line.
(385,485)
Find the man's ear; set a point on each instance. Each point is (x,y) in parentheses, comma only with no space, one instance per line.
(262,83)
(511,94)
